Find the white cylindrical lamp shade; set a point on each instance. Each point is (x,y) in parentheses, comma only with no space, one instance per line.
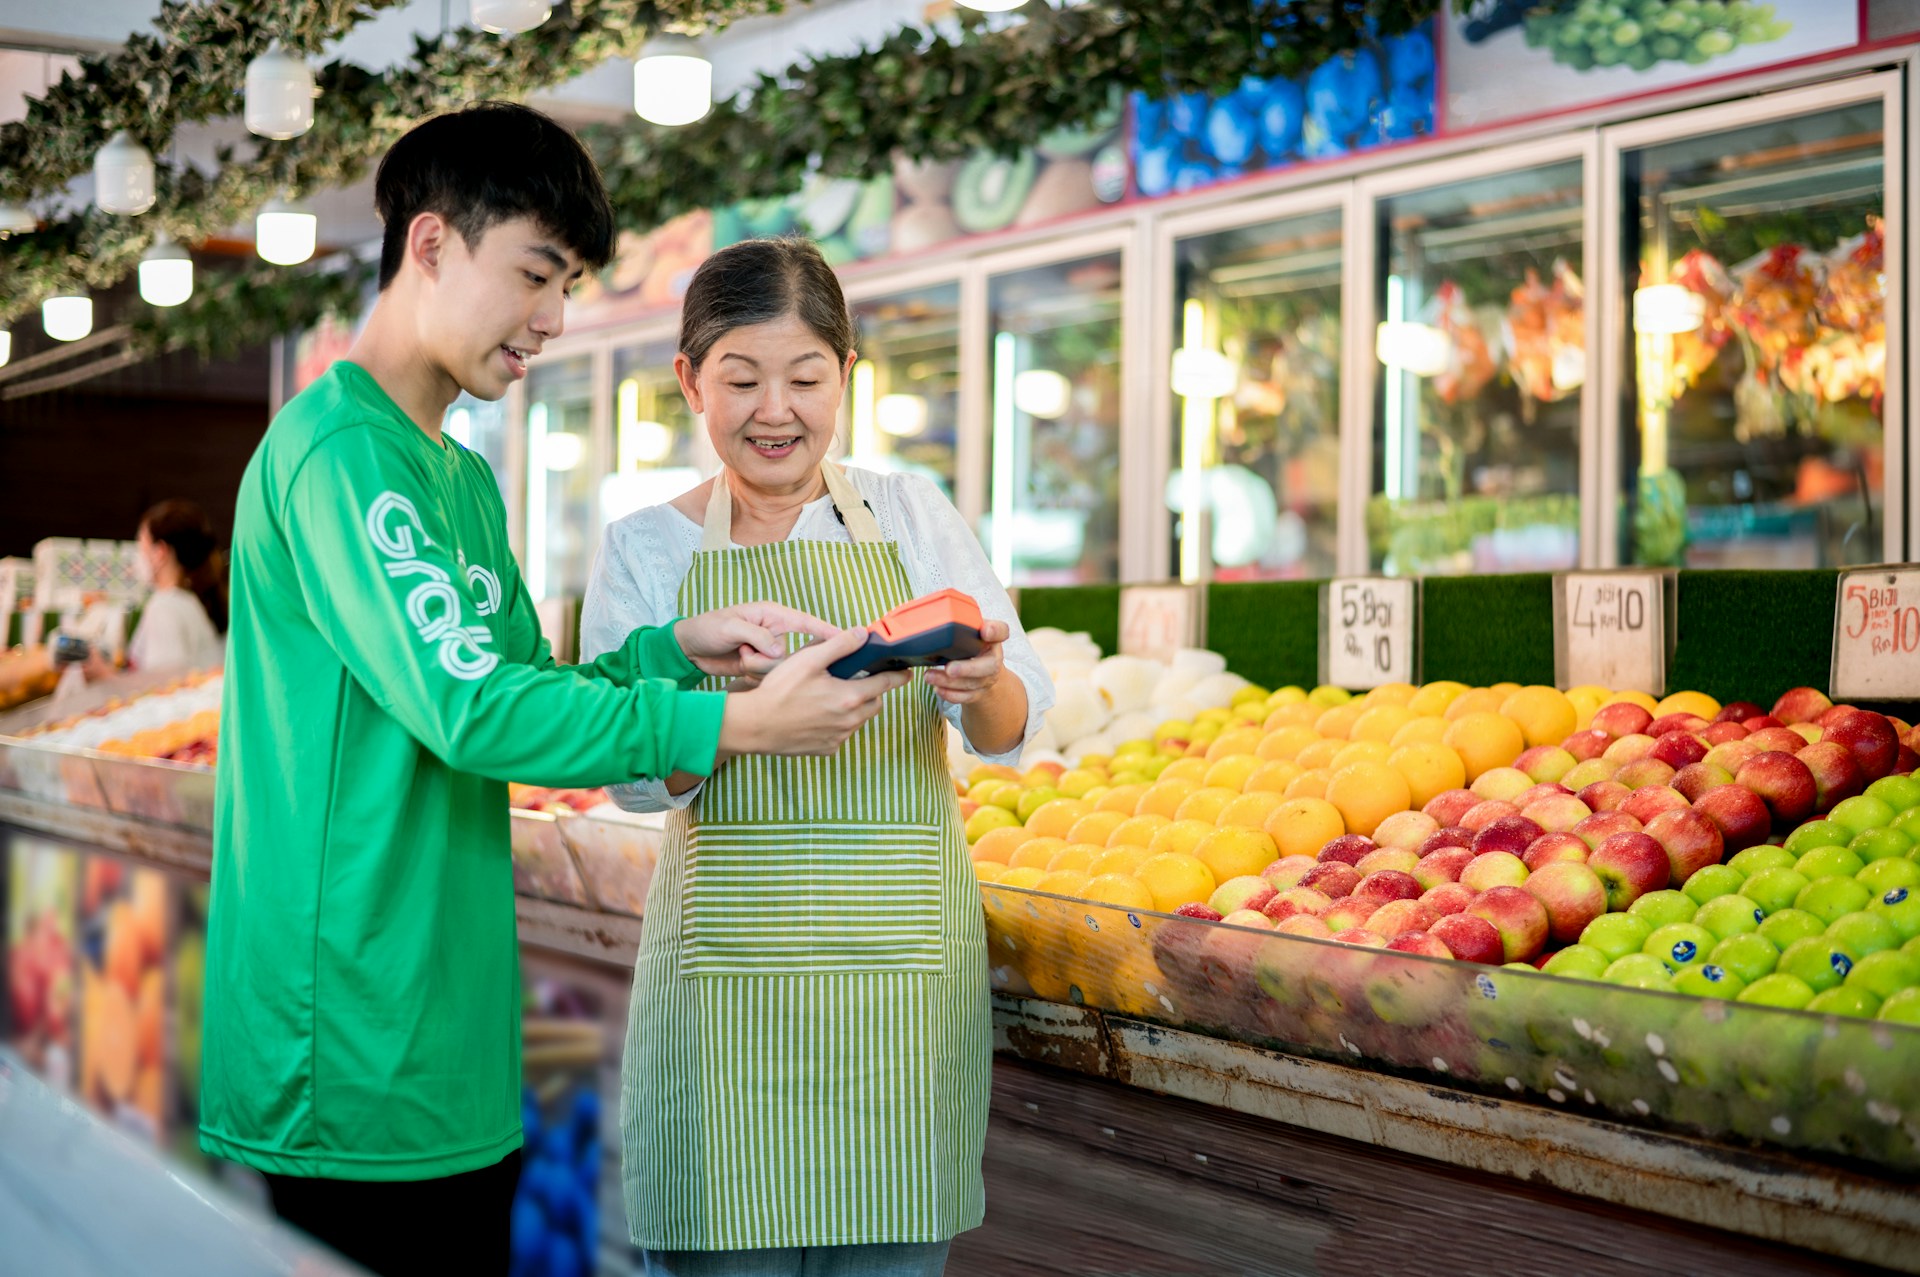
(672,83)
(285,234)
(67,318)
(510,17)
(123,176)
(279,95)
(166,273)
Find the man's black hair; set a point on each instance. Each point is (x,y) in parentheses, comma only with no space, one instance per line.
(487,163)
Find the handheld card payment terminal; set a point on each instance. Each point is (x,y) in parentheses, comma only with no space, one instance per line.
(928,631)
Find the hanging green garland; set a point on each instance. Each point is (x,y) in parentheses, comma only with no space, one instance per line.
(929,97)
(229,313)
(193,67)
(925,95)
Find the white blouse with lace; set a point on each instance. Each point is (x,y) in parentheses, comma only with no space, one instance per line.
(644,557)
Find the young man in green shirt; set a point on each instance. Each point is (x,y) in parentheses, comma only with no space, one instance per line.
(385,677)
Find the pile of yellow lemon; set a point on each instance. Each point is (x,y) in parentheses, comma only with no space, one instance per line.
(1160,823)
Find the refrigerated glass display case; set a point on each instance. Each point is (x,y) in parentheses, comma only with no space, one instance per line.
(561,530)
(1055,390)
(1481,364)
(481,426)
(656,443)
(1256,399)
(1758,359)
(903,398)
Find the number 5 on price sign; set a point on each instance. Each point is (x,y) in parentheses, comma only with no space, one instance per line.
(1368,631)
(1876,635)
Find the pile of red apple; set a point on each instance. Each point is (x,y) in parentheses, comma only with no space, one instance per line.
(1630,805)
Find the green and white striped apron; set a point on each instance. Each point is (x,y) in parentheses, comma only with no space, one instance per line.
(808,1053)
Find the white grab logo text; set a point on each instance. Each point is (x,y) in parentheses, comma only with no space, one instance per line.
(433,605)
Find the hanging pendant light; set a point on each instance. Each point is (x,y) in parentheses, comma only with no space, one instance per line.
(166,273)
(284,233)
(17,219)
(279,95)
(510,17)
(6,347)
(672,82)
(67,318)
(123,176)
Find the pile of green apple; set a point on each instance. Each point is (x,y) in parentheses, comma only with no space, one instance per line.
(1828,922)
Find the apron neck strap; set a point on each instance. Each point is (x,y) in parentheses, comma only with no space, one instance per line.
(717,532)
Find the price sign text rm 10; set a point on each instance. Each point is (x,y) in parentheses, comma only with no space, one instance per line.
(1369,632)
(1876,636)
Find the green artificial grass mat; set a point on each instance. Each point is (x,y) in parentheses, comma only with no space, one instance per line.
(1751,635)
(1269,631)
(1481,630)
(1742,635)
(1093,608)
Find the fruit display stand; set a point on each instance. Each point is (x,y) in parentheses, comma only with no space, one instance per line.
(1789,1127)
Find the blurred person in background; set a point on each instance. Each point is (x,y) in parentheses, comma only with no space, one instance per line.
(184,623)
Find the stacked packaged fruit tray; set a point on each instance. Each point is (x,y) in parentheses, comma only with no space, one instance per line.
(1701,916)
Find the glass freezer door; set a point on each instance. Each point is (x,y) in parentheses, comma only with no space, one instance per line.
(1480,367)
(1758,350)
(903,398)
(1256,399)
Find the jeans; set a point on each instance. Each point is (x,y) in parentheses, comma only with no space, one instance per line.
(925,1259)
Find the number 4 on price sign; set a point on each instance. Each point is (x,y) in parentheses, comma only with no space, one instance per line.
(1611,629)
(1876,635)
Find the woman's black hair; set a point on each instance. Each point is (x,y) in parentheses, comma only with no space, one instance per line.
(487,163)
(760,280)
(183,527)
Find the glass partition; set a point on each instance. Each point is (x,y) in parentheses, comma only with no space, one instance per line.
(903,403)
(1759,348)
(1256,384)
(1054,516)
(562,533)
(1481,365)
(655,435)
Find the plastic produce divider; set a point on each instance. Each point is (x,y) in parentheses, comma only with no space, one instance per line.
(1829,1086)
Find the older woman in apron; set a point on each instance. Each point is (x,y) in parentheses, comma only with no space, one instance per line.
(808,1053)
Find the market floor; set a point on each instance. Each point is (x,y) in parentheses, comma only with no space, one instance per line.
(1087,1177)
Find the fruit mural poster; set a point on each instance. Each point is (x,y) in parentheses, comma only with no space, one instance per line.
(1379,93)
(42,891)
(124,913)
(1507,59)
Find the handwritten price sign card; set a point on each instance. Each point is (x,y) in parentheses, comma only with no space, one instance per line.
(1367,631)
(1609,629)
(1876,635)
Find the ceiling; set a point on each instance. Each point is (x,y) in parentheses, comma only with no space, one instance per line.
(38,39)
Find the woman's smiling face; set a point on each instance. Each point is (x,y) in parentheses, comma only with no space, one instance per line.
(771,395)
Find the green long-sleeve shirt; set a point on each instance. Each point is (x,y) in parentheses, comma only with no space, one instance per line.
(385,676)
